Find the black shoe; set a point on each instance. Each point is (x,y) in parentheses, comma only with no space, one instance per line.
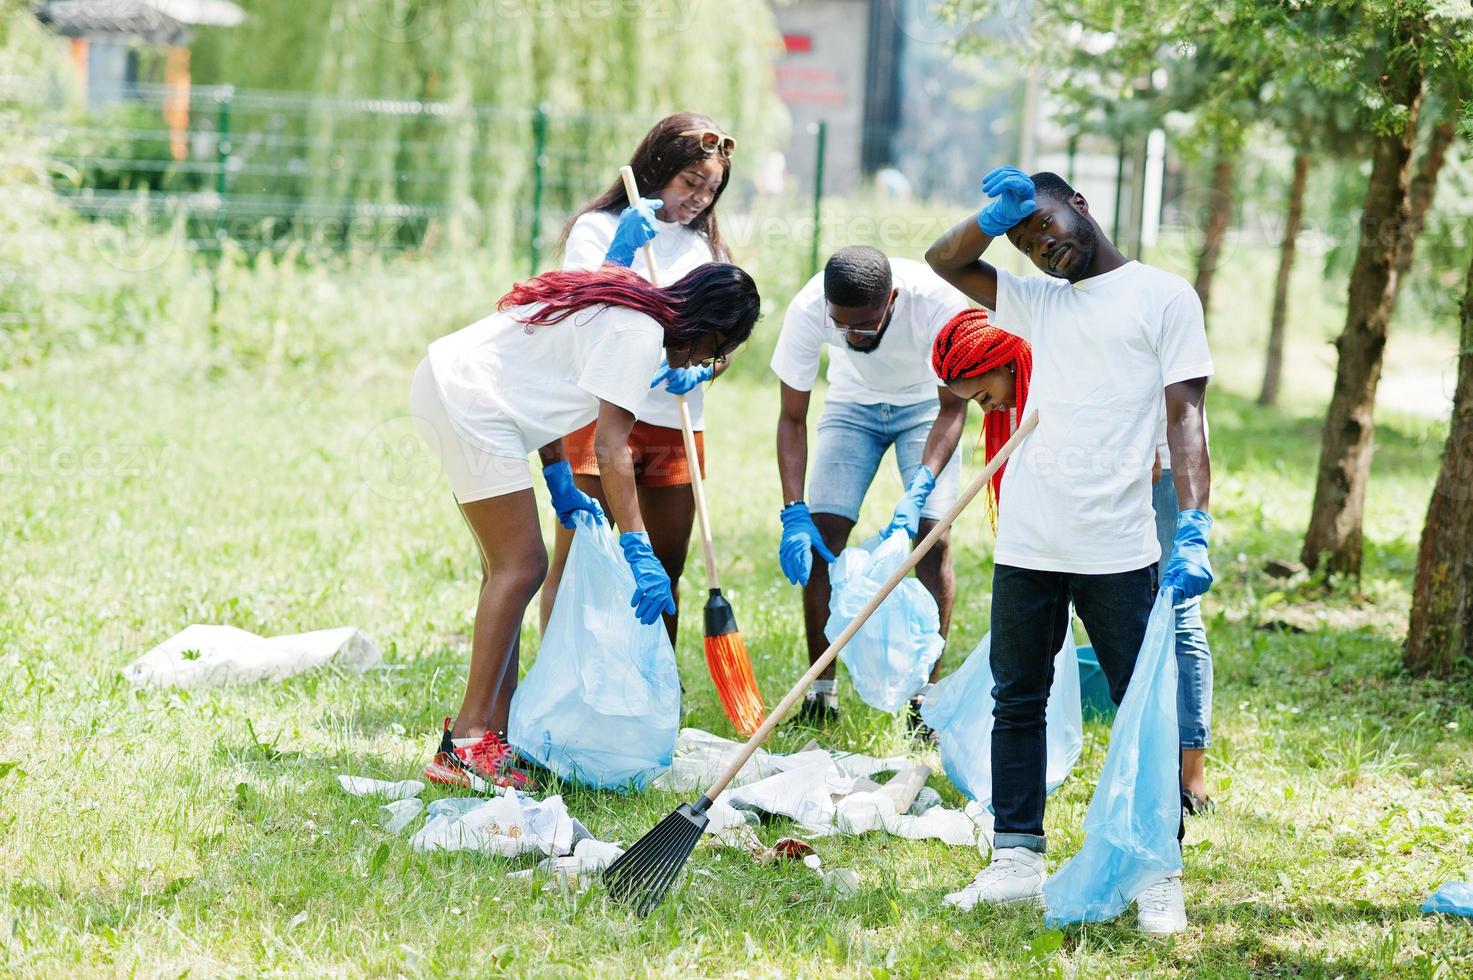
(816,712)
(916,727)
(1193,805)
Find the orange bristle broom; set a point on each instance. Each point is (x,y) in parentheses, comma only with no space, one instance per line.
(726,653)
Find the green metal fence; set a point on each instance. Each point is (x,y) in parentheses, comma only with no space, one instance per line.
(271,169)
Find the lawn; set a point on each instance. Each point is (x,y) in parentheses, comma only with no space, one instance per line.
(263,475)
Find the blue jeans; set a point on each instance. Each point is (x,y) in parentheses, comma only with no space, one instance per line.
(1193,657)
(1030,611)
(851,440)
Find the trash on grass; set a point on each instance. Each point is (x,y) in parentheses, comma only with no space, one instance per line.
(507,825)
(701,756)
(1453,898)
(364,786)
(398,814)
(210,656)
(588,860)
(842,882)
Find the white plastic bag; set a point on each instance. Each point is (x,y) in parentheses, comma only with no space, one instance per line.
(602,703)
(890,658)
(959,710)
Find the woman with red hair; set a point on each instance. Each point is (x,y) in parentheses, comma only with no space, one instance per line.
(989,366)
(563,349)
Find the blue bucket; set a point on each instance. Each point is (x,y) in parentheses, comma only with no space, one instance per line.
(1094,689)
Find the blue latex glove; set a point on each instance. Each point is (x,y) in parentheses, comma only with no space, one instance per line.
(682,380)
(652,595)
(1188,569)
(567,498)
(908,511)
(800,540)
(1014,192)
(637,227)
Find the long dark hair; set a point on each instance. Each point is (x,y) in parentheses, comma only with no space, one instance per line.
(715,298)
(661,155)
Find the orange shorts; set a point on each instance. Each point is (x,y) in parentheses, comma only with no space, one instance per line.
(659,454)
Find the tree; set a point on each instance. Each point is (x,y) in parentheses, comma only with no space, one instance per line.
(1410,41)
(1273,364)
(1102,56)
(1317,124)
(1219,216)
(1440,633)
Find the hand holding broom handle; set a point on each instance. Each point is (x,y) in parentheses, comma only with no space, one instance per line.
(687,430)
(916,554)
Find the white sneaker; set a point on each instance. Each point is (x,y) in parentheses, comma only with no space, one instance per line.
(1014,877)
(1160,910)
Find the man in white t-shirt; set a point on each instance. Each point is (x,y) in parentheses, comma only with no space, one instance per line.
(1075,521)
(878,317)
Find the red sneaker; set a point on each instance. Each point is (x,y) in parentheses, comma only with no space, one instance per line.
(476,764)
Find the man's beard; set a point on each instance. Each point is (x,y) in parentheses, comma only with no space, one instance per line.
(1085,242)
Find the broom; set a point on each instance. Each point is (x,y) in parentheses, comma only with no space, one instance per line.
(643,874)
(726,653)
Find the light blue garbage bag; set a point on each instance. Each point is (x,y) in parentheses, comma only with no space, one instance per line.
(1130,827)
(890,658)
(1453,898)
(959,710)
(601,706)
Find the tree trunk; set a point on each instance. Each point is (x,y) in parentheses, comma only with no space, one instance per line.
(1335,522)
(1273,366)
(1219,214)
(1424,188)
(1441,630)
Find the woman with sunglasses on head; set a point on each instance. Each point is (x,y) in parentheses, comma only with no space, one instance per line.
(682,166)
(562,350)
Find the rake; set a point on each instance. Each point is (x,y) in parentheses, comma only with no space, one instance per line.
(642,875)
(726,653)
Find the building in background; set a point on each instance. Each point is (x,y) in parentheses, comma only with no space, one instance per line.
(901,109)
(118,45)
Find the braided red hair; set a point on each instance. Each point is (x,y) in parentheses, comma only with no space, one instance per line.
(563,292)
(968,346)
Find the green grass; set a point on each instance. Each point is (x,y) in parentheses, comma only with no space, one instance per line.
(253,479)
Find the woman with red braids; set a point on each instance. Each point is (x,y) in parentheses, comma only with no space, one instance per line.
(991,367)
(563,349)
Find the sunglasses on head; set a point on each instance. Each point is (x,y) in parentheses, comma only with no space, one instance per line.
(712,141)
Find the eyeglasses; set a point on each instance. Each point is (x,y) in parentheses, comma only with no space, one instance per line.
(863,331)
(713,140)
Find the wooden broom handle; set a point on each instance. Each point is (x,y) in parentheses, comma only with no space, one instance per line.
(692,457)
(775,716)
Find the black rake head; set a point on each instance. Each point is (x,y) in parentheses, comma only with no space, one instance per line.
(642,876)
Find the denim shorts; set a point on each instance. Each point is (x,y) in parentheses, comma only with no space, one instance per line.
(851,440)
(1193,657)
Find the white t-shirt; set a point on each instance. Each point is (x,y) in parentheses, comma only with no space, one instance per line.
(678,250)
(511,388)
(1076,496)
(898,372)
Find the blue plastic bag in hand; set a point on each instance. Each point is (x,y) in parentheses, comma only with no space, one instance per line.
(959,710)
(890,657)
(1130,829)
(601,706)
